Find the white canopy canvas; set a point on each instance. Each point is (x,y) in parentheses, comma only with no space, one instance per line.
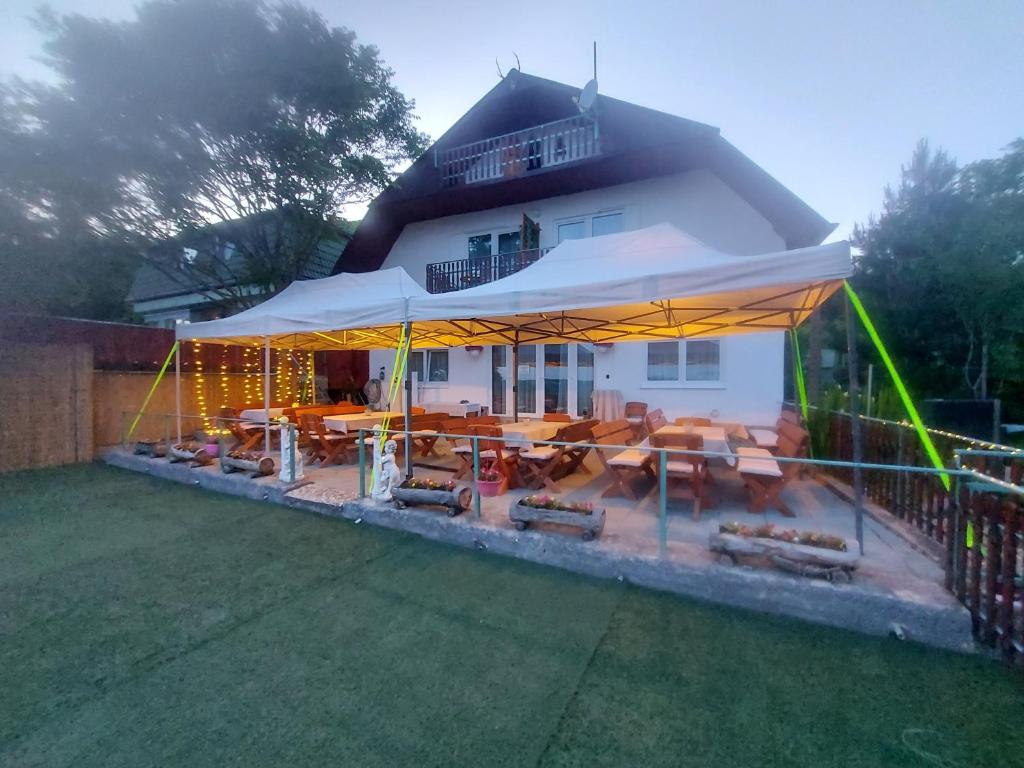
(652,283)
(306,314)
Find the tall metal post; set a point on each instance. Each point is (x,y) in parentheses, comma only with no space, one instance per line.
(515,379)
(266,394)
(855,426)
(408,400)
(177,388)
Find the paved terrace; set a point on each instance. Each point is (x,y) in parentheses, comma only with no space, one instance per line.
(899,582)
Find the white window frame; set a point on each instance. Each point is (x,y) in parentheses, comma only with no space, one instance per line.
(426,353)
(682,382)
(587,220)
(495,233)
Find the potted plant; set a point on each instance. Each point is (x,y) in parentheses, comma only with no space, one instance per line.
(491,483)
(550,509)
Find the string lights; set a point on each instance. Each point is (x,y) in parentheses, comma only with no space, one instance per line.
(200,386)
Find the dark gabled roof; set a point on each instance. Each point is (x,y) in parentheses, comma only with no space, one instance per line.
(636,142)
(152,283)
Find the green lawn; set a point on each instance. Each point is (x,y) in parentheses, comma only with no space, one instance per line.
(144,623)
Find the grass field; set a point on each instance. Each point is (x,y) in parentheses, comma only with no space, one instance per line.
(149,624)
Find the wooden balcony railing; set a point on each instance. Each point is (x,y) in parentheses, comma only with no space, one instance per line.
(445,276)
(523,152)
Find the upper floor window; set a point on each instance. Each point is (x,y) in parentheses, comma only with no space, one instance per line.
(694,362)
(493,243)
(593,225)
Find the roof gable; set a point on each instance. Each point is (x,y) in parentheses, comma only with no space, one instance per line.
(636,143)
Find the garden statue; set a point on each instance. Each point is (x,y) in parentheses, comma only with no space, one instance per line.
(386,473)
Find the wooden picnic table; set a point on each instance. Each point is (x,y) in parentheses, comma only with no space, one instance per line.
(715,439)
(353,422)
(521,434)
(260,414)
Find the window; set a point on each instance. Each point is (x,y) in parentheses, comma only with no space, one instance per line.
(479,246)
(696,362)
(436,365)
(508,242)
(702,360)
(483,245)
(663,361)
(572,230)
(607,224)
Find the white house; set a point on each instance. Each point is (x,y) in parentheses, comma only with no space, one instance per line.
(524,170)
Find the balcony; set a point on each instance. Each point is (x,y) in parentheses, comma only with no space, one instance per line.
(521,153)
(446,276)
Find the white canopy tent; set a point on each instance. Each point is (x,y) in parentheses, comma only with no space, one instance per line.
(653,283)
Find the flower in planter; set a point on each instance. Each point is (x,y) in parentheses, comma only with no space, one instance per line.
(808,538)
(551,502)
(489,476)
(429,484)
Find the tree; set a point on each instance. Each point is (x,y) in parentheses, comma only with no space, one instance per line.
(259,119)
(942,269)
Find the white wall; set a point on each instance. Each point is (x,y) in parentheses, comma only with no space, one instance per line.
(750,391)
(696,202)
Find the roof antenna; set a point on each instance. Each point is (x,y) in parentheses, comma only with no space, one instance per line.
(518,65)
(595,60)
(498,66)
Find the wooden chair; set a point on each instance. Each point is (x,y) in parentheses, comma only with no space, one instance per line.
(765,478)
(545,464)
(636,412)
(686,475)
(326,446)
(693,421)
(654,421)
(247,436)
(462,449)
(625,469)
(495,456)
(558,417)
(426,426)
(483,420)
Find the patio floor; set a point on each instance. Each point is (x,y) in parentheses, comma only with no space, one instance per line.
(632,526)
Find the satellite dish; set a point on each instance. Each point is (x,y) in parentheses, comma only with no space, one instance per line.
(587,96)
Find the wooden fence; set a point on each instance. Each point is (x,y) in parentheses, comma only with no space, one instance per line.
(978,524)
(46,395)
(986,565)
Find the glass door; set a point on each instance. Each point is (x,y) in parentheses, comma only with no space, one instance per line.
(500,380)
(584,379)
(552,378)
(527,380)
(556,378)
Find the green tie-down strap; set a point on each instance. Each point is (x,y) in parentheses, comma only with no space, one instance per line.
(798,373)
(908,404)
(152,389)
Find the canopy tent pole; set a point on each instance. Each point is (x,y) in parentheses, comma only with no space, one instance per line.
(515,378)
(266,394)
(408,400)
(177,387)
(855,426)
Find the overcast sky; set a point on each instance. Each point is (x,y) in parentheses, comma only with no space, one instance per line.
(827,96)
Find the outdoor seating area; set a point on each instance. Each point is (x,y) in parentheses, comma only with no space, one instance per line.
(709,468)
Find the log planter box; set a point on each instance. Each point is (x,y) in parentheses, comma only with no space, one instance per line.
(801,559)
(197,457)
(258,466)
(455,501)
(591,522)
(155,449)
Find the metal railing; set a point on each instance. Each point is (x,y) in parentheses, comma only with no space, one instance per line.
(520,152)
(446,276)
